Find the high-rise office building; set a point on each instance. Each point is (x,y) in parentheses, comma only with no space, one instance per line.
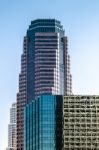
(43,123)
(62,122)
(12,129)
(81,122)
(45,66)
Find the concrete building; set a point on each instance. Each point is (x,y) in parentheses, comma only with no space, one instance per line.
(12,128)
(81,122)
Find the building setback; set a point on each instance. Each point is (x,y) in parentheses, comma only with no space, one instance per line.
(45,67)
(81,122)
(12,129)
(44,123)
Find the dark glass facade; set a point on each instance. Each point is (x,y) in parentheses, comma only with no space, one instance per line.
(48,61)
(44,123)
(45,67)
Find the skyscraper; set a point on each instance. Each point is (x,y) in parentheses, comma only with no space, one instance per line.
(12,129)
(44,123)
(45,66)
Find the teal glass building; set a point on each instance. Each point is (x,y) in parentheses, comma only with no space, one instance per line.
(43,123)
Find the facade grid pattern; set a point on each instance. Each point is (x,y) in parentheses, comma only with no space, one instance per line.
(81,122)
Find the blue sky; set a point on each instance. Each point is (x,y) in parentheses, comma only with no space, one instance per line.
(80,19)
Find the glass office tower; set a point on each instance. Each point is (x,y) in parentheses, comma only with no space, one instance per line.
(45,66)
(43,123)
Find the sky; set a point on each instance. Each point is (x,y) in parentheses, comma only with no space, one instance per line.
(80,19)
